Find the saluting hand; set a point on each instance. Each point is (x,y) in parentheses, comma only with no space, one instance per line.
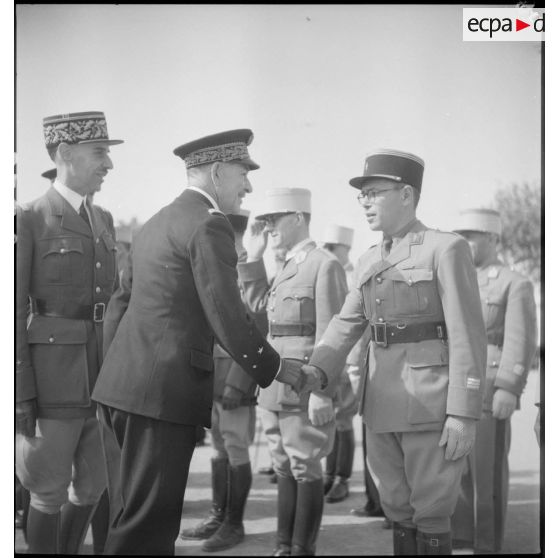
(256,240)
(504,404)
(320,409)
(26,417)
(458,436)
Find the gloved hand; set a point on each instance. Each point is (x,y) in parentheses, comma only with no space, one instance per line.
(26,417)
(232,398)
(320,409)
(504,404)
(458,435)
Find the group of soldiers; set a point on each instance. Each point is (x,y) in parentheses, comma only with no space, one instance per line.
(430,338)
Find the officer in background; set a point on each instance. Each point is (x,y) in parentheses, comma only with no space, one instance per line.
(339,463)
(509,312)
(233,422)
(339,240)
(422,398)
(66,270)
(156,383)
(305,294)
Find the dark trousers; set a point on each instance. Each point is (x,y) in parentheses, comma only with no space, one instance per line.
(147,497)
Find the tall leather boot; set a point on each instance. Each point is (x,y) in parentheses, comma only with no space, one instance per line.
(231,531)
(43,532)
(219,483)
(331,464)
(100,524)
(344,469)
(404,540)
(308,518)
(287,488)
(433,544)
(74,522)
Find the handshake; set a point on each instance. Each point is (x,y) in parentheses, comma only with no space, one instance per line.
(301,377)
(305,378)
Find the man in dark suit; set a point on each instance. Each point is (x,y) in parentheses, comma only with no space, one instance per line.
(65,276)
(156,383)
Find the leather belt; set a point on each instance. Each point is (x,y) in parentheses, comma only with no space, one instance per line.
(295,330)
(496,339)
(385,334)
(69,310)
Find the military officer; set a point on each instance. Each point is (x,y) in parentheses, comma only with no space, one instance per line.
(422,397)
(339,463)
(65,272)
(305,294)
(156,383)
(511,324)
(233,423)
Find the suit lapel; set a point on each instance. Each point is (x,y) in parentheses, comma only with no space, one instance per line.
(69,218)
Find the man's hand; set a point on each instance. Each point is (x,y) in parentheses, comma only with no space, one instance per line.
(458,436)
(504,404)
(255,240)
(232,398)
(320,409)
(314,378)
(26,417)
(353,372)
(301,377)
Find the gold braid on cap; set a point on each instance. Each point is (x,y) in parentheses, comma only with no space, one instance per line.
(75,131)
(225,152)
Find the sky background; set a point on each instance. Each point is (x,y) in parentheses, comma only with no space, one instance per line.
(320,86)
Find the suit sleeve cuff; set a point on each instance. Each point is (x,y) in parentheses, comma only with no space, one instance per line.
(464,402)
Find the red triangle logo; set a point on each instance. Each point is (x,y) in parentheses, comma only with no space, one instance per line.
(519,25)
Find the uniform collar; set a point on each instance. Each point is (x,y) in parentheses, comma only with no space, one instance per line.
(297,248)
(402,232)
(73,198)
(205,195)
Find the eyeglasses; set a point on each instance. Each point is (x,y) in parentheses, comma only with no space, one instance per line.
(271,220)
(366,197)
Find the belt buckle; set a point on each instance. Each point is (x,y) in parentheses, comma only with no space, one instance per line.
(380,339)
(99,312)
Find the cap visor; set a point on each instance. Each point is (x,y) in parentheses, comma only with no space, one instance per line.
(106,141)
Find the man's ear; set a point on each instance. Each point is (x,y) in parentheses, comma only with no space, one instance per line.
(216,172)
(65,151)
(408,193)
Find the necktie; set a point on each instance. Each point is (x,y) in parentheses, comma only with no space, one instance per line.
(83,214)
(386,245)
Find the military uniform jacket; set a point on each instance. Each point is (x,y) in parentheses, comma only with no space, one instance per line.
(182,296)
(509,312)
(309,290)
(228,372)
(427,277)
(62,263)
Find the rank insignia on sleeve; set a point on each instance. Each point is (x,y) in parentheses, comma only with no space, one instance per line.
(473,383)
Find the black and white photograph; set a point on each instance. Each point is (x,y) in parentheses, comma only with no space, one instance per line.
(279,279)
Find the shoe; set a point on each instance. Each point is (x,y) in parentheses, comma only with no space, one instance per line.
(338,492)
(226,536)
(219,483)
(367,511)
(387,524)
(265,471)
(282,550)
